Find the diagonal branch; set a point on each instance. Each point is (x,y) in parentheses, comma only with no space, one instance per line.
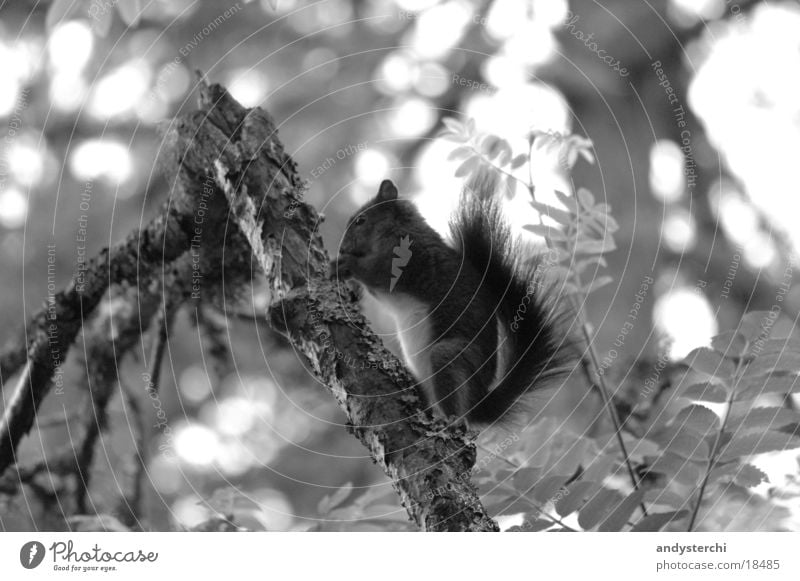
(204,243)
(55,326)
(428,460)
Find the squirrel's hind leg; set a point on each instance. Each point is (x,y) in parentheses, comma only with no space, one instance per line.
(454,385)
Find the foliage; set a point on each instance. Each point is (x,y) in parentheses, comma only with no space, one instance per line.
(376,509)
(685,458)
(580,232)
(692,457)
(711,452)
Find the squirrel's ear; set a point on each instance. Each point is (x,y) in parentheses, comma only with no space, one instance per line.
(387,192)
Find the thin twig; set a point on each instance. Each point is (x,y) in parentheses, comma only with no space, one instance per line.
(593,359)
(134,500)
(163,322)
(160,336)
(496,167)
(83,460)
(531,187)
(53,328)
(535,505)
(254,318)
(712,459)
(608,402)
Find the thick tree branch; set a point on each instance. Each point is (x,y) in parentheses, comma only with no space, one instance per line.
(428,460)
(55,326)
(236,196)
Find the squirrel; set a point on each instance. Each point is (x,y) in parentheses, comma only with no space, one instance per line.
(475,327)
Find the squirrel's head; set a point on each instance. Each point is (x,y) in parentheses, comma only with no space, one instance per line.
(381,231)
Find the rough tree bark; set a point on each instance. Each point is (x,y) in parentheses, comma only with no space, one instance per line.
(226,164)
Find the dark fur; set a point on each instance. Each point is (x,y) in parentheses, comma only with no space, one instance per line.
(467,290)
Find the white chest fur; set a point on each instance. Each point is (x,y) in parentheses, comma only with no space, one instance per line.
(414,332)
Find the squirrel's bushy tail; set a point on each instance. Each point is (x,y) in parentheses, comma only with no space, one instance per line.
(534,344)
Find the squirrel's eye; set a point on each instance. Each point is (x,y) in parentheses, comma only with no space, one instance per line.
(360,220)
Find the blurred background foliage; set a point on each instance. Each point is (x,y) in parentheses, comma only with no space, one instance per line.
(693,107)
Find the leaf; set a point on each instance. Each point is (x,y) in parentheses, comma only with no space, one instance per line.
(663,497)
(547,232)
(382,512)
(560,216)
(329,502)
(525,478)
(773,362)
(550,142)
(619,516)
(504,152)
(593,227)
(752,387)
(762,418)
(519,161)
(569,288)
(598,283)
(729,344)
(376,496)
(547,489)
(598,507)
(771,346)
(655,522)
(130,11)
(584,263)
(508,186)
(453,125)
(610,224)
(600,467)
(487,145)
(567,157)
(745,475)
(531,524)
(684,444)
(576,495)
(710,362)
(753,325)
(696,418)
(508,505)
(706,392)
(750,476)
(752,443)
(586,198)
(570,203)
(594,246)
(587,155)
(562,254)
(461,152)
(489,482)
(678,468)
(468,167)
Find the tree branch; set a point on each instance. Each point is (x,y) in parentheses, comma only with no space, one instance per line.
(226,149)
(54,327)
(428,460)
